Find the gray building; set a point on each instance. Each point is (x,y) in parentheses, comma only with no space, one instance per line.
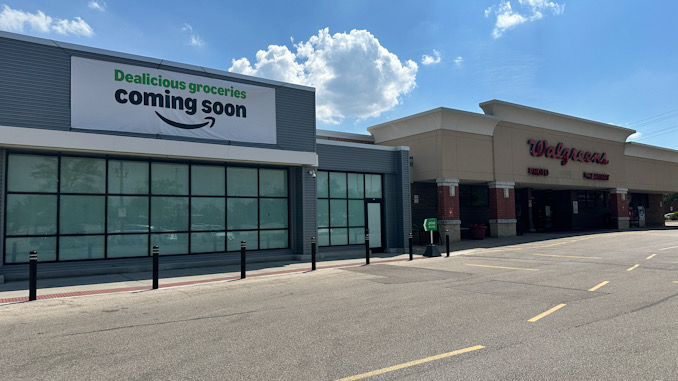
(104,155)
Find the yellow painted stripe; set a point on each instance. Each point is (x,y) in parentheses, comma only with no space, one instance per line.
(411,363)
(632,268)
(565,256)
(651,256)
(599,286)
(667,248)
(552,310)
(500,267)
(675,281)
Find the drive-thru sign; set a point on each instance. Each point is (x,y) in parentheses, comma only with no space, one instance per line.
(430,224)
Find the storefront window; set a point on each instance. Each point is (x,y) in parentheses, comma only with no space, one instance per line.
(341,206)
(103,208)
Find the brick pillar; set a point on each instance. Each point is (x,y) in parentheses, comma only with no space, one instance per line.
(502,209)
(448,208)
(619,208)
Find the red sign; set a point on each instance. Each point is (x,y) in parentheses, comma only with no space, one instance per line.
(538,171)
(542,148)
(449,212)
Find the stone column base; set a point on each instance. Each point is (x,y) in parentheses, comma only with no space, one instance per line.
(503,228)
(454,227)
(620,223)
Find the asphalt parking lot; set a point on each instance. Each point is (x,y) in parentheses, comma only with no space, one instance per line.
(584,306)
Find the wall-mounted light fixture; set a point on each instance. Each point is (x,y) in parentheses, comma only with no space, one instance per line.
(312,173)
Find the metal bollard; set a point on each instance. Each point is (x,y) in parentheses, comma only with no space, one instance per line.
(447,242)
(312,253)
(156,266)
(243,248)
(367,246)
(409,238)
(33,275)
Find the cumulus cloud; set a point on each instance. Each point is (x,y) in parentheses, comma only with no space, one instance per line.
(193,38)
(98,5)
(14,20)
(458,61)
(530,10)
(431,60)
(354,76)
(635,136)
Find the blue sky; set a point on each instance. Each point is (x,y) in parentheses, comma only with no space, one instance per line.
(374,61)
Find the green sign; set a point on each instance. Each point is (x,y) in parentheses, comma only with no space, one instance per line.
(430,224)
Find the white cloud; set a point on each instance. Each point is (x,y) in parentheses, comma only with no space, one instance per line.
(635,136)
(98,5)
(458,61)
(431,60)
(354,76)
(193,39)
(14,20)
(532,10)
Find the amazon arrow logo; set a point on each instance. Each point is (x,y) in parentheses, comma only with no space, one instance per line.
(186,126)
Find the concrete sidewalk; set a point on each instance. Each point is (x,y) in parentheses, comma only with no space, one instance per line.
(17,291)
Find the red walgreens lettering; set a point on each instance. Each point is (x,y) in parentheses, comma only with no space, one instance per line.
(542,148)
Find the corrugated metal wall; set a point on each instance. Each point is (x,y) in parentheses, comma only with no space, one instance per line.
(36,86)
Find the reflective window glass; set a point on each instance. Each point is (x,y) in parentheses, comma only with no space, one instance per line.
(170,243)
(321,184)
(31,173)
(273,183)
(272,213)
(356,213)
(207,242)
(373,186)
(83,175)
(251,239)
(273,239)
(323,213)
(127,214)
(127,245)
(18,249)
(31,214)
(169,214)
(127,177)
(356,185)
(242,181)
(208,213)
(338,213)
(323,237)
(242,214)
(208,180)
(169,179)
(339,236)
(337,185)
(82,214)
(81,247)
(356,236)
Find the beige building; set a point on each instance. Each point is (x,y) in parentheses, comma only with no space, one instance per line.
(520,169)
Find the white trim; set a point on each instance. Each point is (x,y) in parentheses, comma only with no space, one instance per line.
(619,190)
(324,134)
(501,184)
(646,151)
(35,138)
(504,221)
(447,182)
(515,113)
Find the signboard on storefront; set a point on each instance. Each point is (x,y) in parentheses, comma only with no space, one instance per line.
(117,97)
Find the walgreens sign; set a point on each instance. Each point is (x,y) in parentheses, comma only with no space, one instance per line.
(565,154)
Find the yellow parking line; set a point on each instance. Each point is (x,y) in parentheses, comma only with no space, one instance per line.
(632,268)
(651,256)
(599,286)
(411,363)
(554,309)
(565,256)
(667,248)
(500,267)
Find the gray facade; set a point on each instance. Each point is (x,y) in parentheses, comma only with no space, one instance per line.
(35,101)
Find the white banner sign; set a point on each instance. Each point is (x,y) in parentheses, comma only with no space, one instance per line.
(117,97)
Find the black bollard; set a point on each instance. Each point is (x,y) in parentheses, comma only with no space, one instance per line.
(33,276)
(156,266)
(243,248)
(367,246)
(447,242)
(409,238)
(312,253)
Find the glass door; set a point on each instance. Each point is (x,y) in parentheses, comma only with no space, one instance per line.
(374,224)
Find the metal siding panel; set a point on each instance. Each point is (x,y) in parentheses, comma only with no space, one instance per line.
(354,159)
(36,85)
(295,117)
